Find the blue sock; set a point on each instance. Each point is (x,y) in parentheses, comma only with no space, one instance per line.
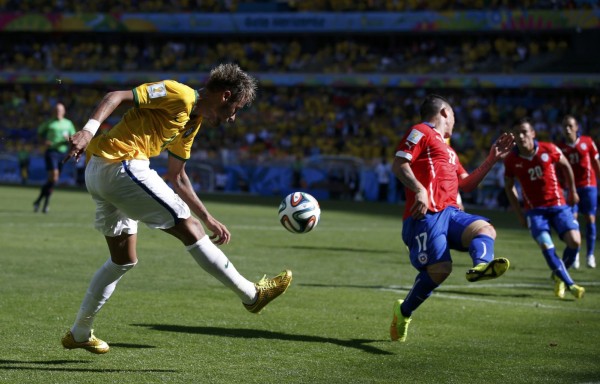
(569,256)
(590,238)
(481,249)
(421,290)
(557,266)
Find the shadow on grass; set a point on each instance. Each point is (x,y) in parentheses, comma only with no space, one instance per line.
(360,344)
(132,346)
(341,249)
(466,292)
(24,365)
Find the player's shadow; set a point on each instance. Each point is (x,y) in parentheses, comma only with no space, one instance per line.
(56,366)
(464,292)
(240,333)
(341,249)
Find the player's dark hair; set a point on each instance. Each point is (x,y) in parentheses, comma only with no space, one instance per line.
(231,77)
(432,105)
(567,117)
(521,121)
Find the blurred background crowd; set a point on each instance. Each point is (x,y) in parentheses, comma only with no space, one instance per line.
(284,5)
(291,123)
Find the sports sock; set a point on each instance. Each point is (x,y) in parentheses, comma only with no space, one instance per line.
(214,261)
(42,194)
(101,287)
(569,255)
(557,266)
(590,238)
(421,290)
(481,249)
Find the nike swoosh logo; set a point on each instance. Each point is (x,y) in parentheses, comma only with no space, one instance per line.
(227,264)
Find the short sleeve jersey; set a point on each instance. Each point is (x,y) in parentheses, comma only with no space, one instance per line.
(537,175)
(159,121)
(580,155)
(434,164)
(57,132)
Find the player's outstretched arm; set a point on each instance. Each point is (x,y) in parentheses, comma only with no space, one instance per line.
(80,140)
(500,149)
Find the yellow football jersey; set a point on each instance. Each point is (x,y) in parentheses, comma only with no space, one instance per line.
(158,122)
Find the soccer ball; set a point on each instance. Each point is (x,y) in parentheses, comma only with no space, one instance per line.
(299,212)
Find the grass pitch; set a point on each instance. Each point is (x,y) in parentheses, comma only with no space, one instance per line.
(170,322)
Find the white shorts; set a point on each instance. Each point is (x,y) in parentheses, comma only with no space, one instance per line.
(128,192)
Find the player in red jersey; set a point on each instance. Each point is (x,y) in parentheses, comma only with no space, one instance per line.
(433,224)
(533,165)
(582,153)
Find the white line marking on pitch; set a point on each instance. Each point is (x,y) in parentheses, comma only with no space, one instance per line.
(400,289)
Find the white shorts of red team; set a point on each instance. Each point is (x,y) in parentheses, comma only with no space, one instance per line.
(130,191)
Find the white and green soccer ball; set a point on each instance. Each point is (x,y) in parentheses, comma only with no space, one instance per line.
(299,212)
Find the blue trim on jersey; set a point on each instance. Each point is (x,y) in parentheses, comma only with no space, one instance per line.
(149,192)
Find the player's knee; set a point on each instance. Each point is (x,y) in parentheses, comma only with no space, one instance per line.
(476,228)
(573,239)
(196,228)
(544,240)
(188,230)
(591,219)
(487,230)
(440,271)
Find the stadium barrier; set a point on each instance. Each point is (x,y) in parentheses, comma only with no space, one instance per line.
(324,177)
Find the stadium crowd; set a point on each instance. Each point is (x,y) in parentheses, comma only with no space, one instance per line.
(287,122)
(115,6)
(402,53)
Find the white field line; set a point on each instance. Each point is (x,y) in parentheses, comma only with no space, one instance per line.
(441,294)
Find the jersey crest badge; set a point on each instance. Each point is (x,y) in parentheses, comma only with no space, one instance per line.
(157,90)
(583,146)
(545,157)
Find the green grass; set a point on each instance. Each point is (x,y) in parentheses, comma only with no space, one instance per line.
(170,322)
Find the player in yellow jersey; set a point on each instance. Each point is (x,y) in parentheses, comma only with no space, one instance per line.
(166,117)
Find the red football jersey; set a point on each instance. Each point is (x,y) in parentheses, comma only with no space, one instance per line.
(434,163)
(580,156)
(537,176)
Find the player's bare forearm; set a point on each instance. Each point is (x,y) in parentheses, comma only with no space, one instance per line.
(109,103)
(406,176)
(513,199)
(596,166)
(183,187)
(80,140)
(568,174)
(401,168)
